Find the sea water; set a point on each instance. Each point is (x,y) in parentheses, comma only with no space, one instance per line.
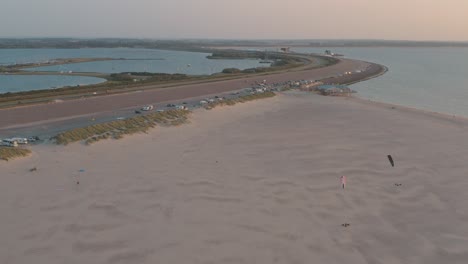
(18,83)
(432,79)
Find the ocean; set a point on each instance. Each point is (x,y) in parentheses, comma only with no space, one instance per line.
(432,79)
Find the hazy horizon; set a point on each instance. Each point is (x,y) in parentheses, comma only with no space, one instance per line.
(400,20)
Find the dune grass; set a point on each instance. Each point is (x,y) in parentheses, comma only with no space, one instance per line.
(241,99)
(142,123)
(119,128)
(8,153)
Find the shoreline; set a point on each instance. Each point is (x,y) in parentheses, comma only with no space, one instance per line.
(423,112)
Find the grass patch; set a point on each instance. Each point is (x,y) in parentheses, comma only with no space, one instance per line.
(141,124)
(241,99)
(8,153)
(119,128)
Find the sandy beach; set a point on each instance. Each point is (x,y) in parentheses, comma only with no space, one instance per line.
(254,183)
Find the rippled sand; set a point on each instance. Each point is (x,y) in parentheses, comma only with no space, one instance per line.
(254,183)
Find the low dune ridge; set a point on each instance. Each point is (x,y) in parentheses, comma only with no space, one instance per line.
(258,182)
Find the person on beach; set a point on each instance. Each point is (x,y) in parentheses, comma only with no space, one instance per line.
(343,181)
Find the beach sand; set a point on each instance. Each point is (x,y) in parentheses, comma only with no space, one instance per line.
(254,183)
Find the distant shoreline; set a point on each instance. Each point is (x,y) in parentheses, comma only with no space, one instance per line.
(201,44)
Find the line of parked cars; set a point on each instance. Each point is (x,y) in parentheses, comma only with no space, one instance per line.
(211,100)
(147,108)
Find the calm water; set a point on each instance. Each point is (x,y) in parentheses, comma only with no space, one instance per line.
(433,79)
(13,83)
(153,60)
(144,60)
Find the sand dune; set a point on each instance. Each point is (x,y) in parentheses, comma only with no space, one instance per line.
(254,183)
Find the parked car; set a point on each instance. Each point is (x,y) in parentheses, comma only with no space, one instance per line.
(33,139)
(137,112)
(147,108)
(9,143)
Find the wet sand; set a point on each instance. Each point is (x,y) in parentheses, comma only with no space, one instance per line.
(254,183)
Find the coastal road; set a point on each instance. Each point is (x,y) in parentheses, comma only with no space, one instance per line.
(50,112)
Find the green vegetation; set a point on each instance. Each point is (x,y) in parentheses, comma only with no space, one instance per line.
(8,153)
(231,70)
(119,128)
(241,99)
(236,54)
(20,66)
(280,61)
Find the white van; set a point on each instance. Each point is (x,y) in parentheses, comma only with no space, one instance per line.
(9,143)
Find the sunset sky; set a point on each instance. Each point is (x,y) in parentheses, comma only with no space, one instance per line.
(241,19)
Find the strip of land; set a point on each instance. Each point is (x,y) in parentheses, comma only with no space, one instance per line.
(132,81)
(15,68)
(23,115)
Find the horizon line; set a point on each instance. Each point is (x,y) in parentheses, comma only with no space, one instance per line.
(233,39)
